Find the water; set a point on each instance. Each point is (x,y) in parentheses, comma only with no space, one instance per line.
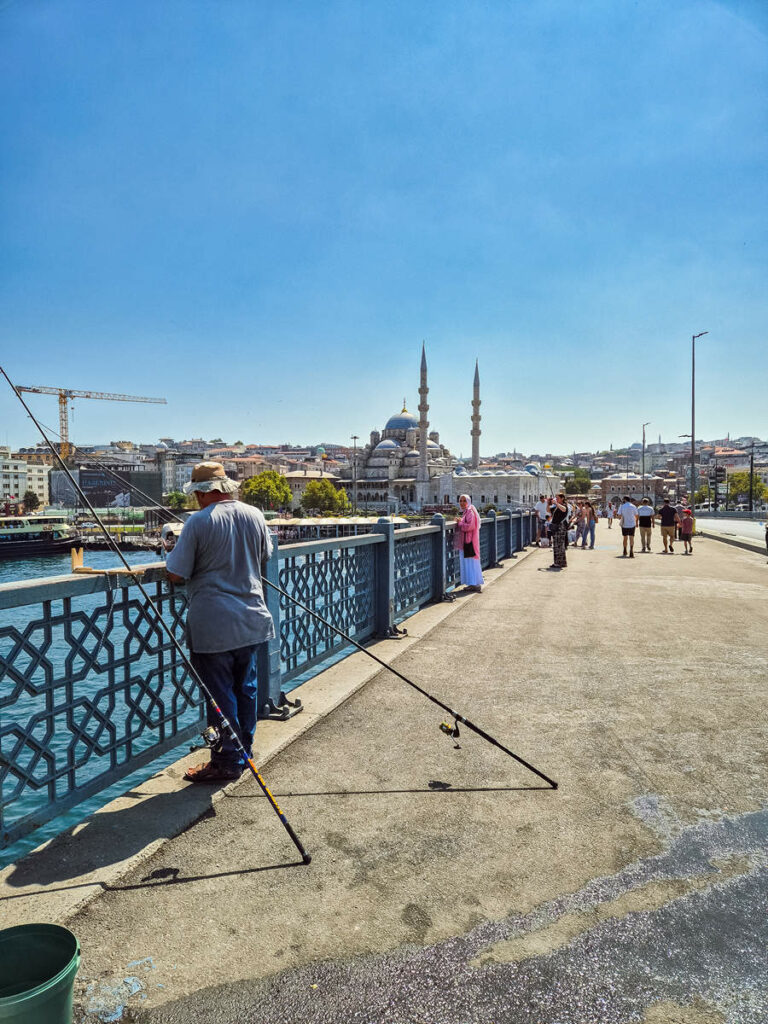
(58,565)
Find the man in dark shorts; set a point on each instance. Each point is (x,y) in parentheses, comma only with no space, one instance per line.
(645,520)
(628,514)
(669,520)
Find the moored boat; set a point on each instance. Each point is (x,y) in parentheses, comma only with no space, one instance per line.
(47,534)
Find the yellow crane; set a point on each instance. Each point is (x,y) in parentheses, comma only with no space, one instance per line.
(67,394)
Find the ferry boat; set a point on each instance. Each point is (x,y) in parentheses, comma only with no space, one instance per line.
(48,534)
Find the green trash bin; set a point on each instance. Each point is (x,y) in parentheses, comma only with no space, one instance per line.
(38,964)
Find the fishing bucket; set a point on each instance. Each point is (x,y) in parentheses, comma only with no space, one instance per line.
(38,964)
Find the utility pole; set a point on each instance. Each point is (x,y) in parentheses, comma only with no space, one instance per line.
(355,438)
(693,413)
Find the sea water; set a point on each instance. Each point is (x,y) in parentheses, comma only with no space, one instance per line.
(59,565)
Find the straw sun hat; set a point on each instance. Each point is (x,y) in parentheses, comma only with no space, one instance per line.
(210,476)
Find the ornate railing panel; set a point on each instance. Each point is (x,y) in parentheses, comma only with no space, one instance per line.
(90,689)
(452,562)
(517,533)
(337,583)
(413,572)
(485,545)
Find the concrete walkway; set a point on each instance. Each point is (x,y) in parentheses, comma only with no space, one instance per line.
(450,886)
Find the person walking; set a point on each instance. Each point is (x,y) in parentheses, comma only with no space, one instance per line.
(466,539)
(559,511)
(628,515)
(610,513)
(686,531)
(645,520)
(221,554)
(590,525)
(669,518)
(540,508)
(578,521)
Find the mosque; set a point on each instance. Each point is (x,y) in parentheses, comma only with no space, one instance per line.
(405,467)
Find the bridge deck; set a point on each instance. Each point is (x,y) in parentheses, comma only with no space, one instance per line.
(634,892)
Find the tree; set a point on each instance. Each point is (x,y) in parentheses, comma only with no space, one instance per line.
(31,501)
(268,490)
(738,487)
(322,496)
(177,500)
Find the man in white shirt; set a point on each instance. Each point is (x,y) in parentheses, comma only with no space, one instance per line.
(540,508)
(628,515)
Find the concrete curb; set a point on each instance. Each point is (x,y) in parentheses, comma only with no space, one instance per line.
(737,542)
(92,857)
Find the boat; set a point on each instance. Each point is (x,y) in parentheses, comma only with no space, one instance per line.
(48,534)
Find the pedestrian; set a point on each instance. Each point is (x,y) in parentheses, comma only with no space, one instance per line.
(645,520)
(590,525)
(466,539)
(679,508)
(686,531)
(221,553)
(669,518)
(540,508)
(628,514)
(578,521)
(610,513)
(559,510)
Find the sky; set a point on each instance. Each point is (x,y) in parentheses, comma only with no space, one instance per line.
(260,210)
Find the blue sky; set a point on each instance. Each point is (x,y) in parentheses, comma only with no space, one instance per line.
(259,210)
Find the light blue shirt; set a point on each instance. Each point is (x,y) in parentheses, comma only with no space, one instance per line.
(219,553)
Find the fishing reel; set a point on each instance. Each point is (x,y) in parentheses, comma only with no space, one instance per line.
(452,731)
(211,738)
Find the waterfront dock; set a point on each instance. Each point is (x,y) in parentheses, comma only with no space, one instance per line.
(451,885)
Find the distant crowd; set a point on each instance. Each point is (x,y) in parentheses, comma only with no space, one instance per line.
(561,524)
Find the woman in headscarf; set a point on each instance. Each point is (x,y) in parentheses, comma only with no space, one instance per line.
(466,540)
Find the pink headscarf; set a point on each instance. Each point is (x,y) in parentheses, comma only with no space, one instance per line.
(468,528)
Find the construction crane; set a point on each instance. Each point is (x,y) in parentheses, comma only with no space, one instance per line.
(67,394)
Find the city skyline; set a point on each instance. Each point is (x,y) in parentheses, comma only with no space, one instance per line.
(260,213)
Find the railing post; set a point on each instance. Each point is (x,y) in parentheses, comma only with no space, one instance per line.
(510,534)
(269,695)
(384,578)
(493,546)
(438,558)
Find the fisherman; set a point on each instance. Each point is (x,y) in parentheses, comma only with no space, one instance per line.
(221,554)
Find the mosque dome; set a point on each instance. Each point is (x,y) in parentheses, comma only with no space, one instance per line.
(387,444)
(499,472)
(413,454)
(431,444)
(460,470)
(533,469)
(403,420)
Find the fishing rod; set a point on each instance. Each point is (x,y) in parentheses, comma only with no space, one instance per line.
(224,722)
(446,727)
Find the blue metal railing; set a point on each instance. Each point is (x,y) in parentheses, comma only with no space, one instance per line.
(91,689)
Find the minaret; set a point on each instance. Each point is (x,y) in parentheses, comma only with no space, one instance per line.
(423,476)
(476,420)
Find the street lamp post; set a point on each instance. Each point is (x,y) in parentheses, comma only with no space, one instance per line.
(355,438)
(643,467)
(751,474)
(693,413)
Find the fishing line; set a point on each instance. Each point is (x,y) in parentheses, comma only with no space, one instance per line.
(446,727)
(223,721)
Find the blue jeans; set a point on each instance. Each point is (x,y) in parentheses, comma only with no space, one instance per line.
(589,529)
(231,678)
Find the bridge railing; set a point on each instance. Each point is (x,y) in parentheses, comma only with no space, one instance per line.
(91,688)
